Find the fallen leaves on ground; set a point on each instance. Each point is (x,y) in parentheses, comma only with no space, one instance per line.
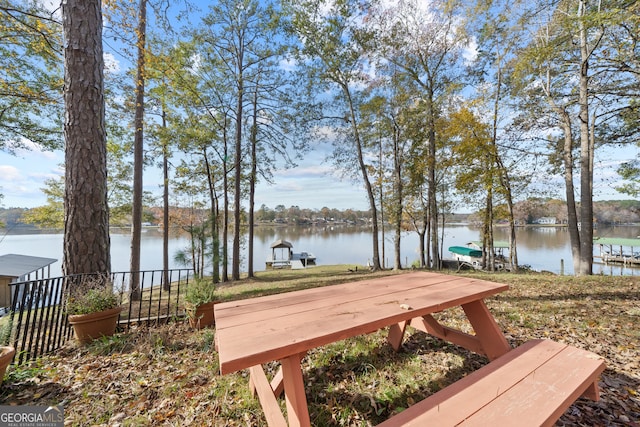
(168,375)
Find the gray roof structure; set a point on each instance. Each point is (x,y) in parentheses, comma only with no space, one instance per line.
(281,244)
(617,241)
(13,265)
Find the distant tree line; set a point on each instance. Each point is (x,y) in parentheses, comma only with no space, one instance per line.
(610,212)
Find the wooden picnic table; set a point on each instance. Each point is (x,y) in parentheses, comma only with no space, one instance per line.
(284,327)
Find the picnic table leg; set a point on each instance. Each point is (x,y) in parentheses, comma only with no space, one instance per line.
(295,397)
(487,329)
(592,392)
(396,333)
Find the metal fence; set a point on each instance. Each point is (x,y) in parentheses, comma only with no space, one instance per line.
(39,323)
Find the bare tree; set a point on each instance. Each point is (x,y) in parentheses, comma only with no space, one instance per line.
(333,57)
(425,45)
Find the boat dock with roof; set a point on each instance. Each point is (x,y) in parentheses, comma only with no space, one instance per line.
(617,250)
(471,254)
(282,256)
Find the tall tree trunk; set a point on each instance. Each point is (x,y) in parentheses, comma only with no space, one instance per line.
(213,219)
(443,221)
(397,167)
(586,155)
(487,233)
(138,161)
(237,193)
(252,180)
(567,162)
(431,181)
(420,231)
(225,222)
(572,213)
(505,182)
(423,234)
(428,219)
(489,248)
(215,230)
(86,217)
(381,203)
(165,205)
(365,178)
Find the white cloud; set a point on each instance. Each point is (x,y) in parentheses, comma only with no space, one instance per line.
(28,148)
(22,177)
(9,173)
(470,52)
(111,64)
(308,171)
(288,64)
(53,6)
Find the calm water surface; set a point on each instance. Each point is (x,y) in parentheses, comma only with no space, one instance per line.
(542,248)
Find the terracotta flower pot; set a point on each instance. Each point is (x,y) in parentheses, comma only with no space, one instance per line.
(6,356)
(201,316)
(88,327)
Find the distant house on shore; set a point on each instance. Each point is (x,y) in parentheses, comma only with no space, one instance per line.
(546,220)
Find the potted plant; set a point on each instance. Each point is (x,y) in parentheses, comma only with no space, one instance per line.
(93,308)
(6,351)
(199,301)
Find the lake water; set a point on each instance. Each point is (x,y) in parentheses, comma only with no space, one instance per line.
(542,248)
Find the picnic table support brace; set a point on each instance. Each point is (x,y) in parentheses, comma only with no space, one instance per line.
(260,385)
(268,392)
(295,397)
(488,340)
(277,384)
(493,342)
(431,326)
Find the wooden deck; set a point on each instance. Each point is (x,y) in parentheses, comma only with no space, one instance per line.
(630,260)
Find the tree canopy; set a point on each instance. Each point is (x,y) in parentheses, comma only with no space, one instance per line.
(427,105)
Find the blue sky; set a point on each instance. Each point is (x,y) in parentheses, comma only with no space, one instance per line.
(310,185)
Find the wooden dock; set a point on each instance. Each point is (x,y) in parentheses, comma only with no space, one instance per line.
(618,251)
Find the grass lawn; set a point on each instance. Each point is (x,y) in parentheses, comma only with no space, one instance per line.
(168,375)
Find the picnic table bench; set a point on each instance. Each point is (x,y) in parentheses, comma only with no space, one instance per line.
(532,385)
(286,326)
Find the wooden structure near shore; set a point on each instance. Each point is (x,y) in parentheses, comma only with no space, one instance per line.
(282,256)
(17,268)
(618,250)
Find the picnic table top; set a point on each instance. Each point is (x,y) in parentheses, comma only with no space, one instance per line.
(259,330)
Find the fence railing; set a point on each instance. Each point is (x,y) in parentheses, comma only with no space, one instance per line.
(39,323)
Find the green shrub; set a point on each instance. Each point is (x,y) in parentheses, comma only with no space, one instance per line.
(92,295)
(6,328)
(199,292)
